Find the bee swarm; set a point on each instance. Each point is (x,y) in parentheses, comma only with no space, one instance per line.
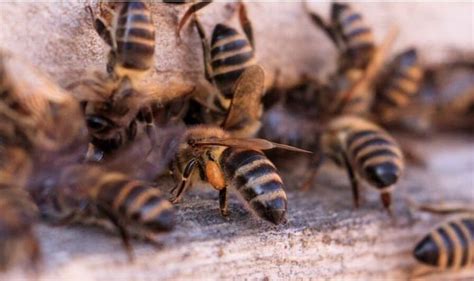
(325,236)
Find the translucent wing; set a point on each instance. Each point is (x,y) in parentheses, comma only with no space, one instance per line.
(246,102)
(254,143)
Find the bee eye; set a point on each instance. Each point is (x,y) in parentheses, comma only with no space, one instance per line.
(97,123)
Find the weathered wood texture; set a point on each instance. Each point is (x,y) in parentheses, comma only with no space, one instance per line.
(325,237)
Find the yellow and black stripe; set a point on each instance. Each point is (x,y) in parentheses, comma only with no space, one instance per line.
(356,36)
(135,202)
(231,54)
(448,246)
(135,37)
(403,81)
(375,155)
(258,182)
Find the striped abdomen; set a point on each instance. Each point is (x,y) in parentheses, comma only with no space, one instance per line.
(449,246)
(258,181)
(376,157)
(136,203)
(404,79)
(231,54)
(135,37)
(355,34)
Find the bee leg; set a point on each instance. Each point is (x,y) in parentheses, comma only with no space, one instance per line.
(316,162)
(223,202)
(124,235)
(246,24)
(146,115)
(191,11)
(354,182)
(206,50)
(320,23)
(386,198)
(101,26)
(182,186)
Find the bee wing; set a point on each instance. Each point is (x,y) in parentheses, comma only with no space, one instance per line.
(251,143)
(247,97)
(165,92)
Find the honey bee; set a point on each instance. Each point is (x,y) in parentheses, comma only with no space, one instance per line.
(359,62)
(93,195)
(210,154)
(349,33)
(38,118)
(115,102)
(366,152)
(398,87)
(449,245)
(229,54)
(449,89)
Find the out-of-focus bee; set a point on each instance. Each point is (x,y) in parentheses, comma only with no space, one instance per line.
(449,89)
(359,62)
(349,33)
(229,54)
(367,152)
(210,154)
(114,102)
(90,194)
(398,86)
(18,243)
(38,118)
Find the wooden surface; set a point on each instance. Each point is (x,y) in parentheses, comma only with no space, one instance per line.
(325,237)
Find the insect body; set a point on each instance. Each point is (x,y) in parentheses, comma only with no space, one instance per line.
(349,33)
(399,87)
(116,102)
(365,151)
(38,119)
(210,154)
(129,31)
(449,245)
(91,194)
(229,54)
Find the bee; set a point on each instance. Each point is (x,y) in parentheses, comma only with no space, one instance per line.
(450,245)
(399,86)
(229,54)
(449,89)
(350,34)
(38,118)
(366,152)
(209,153)
(114,103)
(93,195)
(359,62)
